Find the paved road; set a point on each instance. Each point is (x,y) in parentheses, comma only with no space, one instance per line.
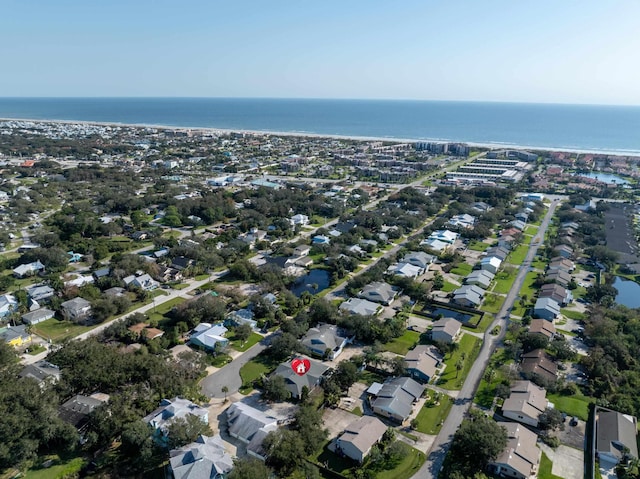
(229,375)
(433,465)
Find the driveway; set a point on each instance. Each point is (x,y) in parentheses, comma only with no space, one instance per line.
(568,462)
(230,374)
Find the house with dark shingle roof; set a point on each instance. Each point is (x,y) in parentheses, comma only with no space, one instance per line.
(396,398)
(521,457)
(615,435)
(310,379)
(543,327)
(539,363)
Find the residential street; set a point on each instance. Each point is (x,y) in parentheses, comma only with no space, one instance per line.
(435,460)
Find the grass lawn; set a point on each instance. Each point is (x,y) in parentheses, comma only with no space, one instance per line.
(517,256)
(492,303)
(448,287)
(243,346)
(369,377)
(201,277)
(58,331)
(528,287)
(531,230)
(504,281)
(577,405)
(158,292)
(463,269)
(404,343)
(478,246)
(36,349)
(576,315)
(407,468)
(430,418)
(219,360)
(451,378)
(545,468)
(486,390)
(167,306)
(60,468)
(484,324)
(180,286)
(261,364)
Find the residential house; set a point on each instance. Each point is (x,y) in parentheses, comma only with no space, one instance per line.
(480,277)
(419,259)
(379,292)
(8,304)
(445,236)
(114,292)
(435,244)
(140,329)
(74,257)
(480,207)
(325,341)
(498,251)
(405,270)
(519,225)
(522,216)
(28,269)
(546,308)
(506,241)
(560,277)
(302,220)
(15,336)
(76,309)
(521,458)
(462,221)
(320,240)
(242,316)
(538,362)
(302,250)
(139,235)
(295,382)
(615,435)
(76,410)
(525,403)
(564,251)
(43,372)
(560,295)
(445,330)
(542,327)
(251,426)
(181,263)
(360,306)
(468,295)
(588,205)
(490,263)
(359,437)
(561,264)
(207,335)
(206,458)
(40,292)
(169,411)
(37,316)
(144,281)
(166,274)
(102,272)
(422,362)
(396,398)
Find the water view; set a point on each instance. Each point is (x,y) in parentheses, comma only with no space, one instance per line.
(628,292)
(449,313)
(314,281)
(608,178)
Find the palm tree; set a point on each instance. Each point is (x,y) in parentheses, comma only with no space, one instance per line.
(225,390)
(459,366)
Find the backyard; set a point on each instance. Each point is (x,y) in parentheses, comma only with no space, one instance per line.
(404,343)
(576,405)
(242,346)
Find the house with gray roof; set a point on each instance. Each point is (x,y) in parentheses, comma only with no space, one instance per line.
(206,458)
(43,372)
(169,411)
(560,295)
(521,457)
(28,269)
(546,308)
(525,403)
(251,426)
(420,259)
(40,292)
(359,437)
(396,398)
(37,316)
(615,435)
(422,362)
(445,330)
(379,292)
(405,270)
(561,277)
(325,341)
(207,335)
(76,309)
(8,304)
(468,295)
(76,410)
(310,379)
(360,306)
(499,252)
(480,277)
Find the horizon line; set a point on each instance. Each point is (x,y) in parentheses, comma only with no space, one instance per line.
(131,97)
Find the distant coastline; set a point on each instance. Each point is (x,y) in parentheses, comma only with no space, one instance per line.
(570,128)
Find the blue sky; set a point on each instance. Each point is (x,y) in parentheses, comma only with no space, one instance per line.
(568,51)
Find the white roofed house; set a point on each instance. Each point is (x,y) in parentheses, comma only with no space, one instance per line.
(405,270)
(299,219)
(491,264)
(207,335)
(144,281)
(359,306)
(206,458)
(359,437)
(445,235)
(435,244)
(463,221)
(8,304)
(169,411)
(28,269)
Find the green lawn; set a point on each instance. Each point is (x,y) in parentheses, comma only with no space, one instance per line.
(486,390)
(487,319)
(58,331)
(430,418)
(528,286)
(180,286)
(576,315)
(517,256)
(261,364)
(492,303)
(60,468)
(577,405)
(504,282)
(478,246)
(451,378)
(448,287)
(201,277)
(407,468)
(463,269)
(545,468)
(243,346)
(404,343)
(531,230)
(167,306)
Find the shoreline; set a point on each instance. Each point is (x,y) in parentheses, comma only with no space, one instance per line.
(297,134)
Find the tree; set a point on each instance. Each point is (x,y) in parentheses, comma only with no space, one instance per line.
(308,423)
(182,431)
(285,451)
(249,467)
(477,442)
(283,346)
(459,366)
(275,388)
(225,390)
(242,332)
(346,374)
(550,419)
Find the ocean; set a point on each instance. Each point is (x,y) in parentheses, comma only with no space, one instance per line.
(572,127)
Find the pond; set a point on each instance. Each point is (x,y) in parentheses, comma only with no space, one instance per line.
(449,313)
(628,292)
(314,281)
(606,178)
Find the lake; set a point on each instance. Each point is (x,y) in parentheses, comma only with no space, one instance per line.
(628,292)
(608,178)
(315,277)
